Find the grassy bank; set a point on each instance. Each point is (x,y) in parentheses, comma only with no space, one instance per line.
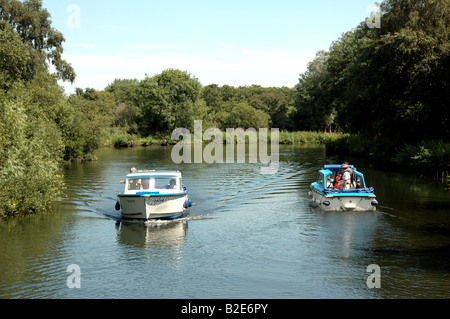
(426,157)
(121,139)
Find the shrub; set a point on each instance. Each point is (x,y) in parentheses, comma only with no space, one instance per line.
(29,166)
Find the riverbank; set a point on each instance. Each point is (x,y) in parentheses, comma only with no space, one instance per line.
(120,139)
(426,157)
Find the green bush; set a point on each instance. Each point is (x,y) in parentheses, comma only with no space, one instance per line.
(29,163)
(305,137)
(120,141)
(427,157)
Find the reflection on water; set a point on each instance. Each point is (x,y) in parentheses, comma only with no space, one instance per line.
(168,234)
(250,236)
(348,234)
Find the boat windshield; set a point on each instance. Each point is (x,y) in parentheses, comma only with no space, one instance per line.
(154,183)
(139,184)
(167,182)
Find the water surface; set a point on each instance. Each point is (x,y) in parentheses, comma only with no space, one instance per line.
(247,236)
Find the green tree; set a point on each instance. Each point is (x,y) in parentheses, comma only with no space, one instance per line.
(212,96)
(280,105)
(245,116)
(84,119)
(14,57)
(30,148)
(393,81)
(124,90)
(127,113)
(33,24)
(413,55)
(168,100)
(314,104)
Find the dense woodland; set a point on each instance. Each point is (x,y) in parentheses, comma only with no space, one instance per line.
(385,90)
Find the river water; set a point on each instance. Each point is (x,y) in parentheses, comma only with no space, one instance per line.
(247,235)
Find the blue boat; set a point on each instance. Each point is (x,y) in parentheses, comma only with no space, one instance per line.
(328,193)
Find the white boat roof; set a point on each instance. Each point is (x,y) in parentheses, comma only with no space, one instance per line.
(149,173)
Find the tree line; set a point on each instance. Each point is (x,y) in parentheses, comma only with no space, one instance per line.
(387,87)
(175,98)
(383,82)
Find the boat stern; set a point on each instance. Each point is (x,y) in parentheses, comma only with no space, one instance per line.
(344,201)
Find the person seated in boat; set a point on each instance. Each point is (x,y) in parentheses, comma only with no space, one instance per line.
(346,177)
(135,184)
(145,183)
(132,170)
(337,181)
(329,182)
(172,184)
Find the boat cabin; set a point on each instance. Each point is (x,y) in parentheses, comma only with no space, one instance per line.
(330,174)
(153,182)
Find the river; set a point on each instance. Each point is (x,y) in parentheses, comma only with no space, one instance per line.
(247,235)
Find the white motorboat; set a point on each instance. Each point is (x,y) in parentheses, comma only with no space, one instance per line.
(153,195)
(329,196)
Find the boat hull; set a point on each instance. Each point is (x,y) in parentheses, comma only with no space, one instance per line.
(147,207)
(344,202)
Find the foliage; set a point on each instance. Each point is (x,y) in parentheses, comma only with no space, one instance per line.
(28,165)
(391,81)
(314,111)
(83,121)
(387,87)
(168,100)
(424,157)
(33,24)
(14,57)
(308,137)
(245,116)
(127,113)
(38,125)
(268,107)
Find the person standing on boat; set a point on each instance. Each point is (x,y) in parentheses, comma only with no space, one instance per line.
(348,167)
(346,177)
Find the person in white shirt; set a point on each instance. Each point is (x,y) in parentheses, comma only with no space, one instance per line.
(346,177)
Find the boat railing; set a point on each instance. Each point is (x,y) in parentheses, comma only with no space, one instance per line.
(346,191)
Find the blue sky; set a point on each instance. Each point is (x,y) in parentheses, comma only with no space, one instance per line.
(267,43)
